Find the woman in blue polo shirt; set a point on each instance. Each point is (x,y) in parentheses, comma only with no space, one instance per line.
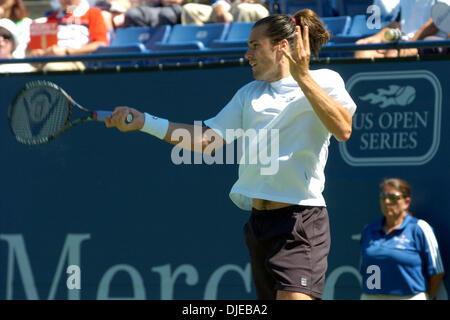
(400,254)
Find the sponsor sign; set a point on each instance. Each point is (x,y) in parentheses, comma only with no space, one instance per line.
(43,35)
(397,121)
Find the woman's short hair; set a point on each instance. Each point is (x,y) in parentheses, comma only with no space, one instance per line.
(399,184)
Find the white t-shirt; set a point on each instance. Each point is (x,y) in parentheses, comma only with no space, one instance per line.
(296,171)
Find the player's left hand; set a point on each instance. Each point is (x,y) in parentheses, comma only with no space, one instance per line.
(299,58)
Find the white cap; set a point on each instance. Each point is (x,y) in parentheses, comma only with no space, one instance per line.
(11,27)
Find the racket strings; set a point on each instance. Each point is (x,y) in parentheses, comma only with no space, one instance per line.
(38,114)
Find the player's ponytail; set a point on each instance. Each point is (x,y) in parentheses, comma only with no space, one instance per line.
(318,35)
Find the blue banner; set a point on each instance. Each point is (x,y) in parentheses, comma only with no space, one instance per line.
(99,214)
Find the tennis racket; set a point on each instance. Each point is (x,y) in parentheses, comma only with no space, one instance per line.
(41,111)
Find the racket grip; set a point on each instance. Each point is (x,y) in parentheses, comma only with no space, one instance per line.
(102,115)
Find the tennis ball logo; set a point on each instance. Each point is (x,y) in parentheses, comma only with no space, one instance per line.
(393,96)
(405,96)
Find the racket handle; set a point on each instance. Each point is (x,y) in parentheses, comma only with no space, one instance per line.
(102,115)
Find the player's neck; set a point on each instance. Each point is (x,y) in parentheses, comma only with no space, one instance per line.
(282,74)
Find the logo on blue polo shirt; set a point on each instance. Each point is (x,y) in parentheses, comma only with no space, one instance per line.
(402,242)
(402,239)
(397,121)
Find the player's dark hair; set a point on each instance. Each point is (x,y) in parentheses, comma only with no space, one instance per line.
(282,26)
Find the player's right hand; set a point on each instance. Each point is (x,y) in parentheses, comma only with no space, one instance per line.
(118,119)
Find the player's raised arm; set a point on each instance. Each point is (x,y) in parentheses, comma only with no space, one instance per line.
(332,114)
(191,137)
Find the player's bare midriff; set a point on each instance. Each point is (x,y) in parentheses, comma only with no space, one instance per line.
(261,204)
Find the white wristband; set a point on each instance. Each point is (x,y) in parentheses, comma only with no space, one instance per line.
(155,126)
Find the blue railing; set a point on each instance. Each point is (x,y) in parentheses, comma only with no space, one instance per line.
(384,46)
(220,53)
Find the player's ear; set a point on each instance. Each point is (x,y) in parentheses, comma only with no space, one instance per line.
(283,44)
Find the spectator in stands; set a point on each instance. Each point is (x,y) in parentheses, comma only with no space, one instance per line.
(402,249)
(430,32)
(18,13)
(111,9)
(81,30)
(152,14)
(415,23)
(223,11)
(8,43)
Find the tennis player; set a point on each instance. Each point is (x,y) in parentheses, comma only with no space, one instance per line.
(288,231)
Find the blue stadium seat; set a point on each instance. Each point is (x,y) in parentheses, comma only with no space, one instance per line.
(135,39)
(236,37)
(192,37)
(131,40)
(322,7)
(135,35)
(132,48)
(352,7)
(157,34)
(337,25)
(358,30)
(359,26)
(130,36)
(126,40)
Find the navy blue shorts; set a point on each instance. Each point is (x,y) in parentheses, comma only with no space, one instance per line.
(288,250)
